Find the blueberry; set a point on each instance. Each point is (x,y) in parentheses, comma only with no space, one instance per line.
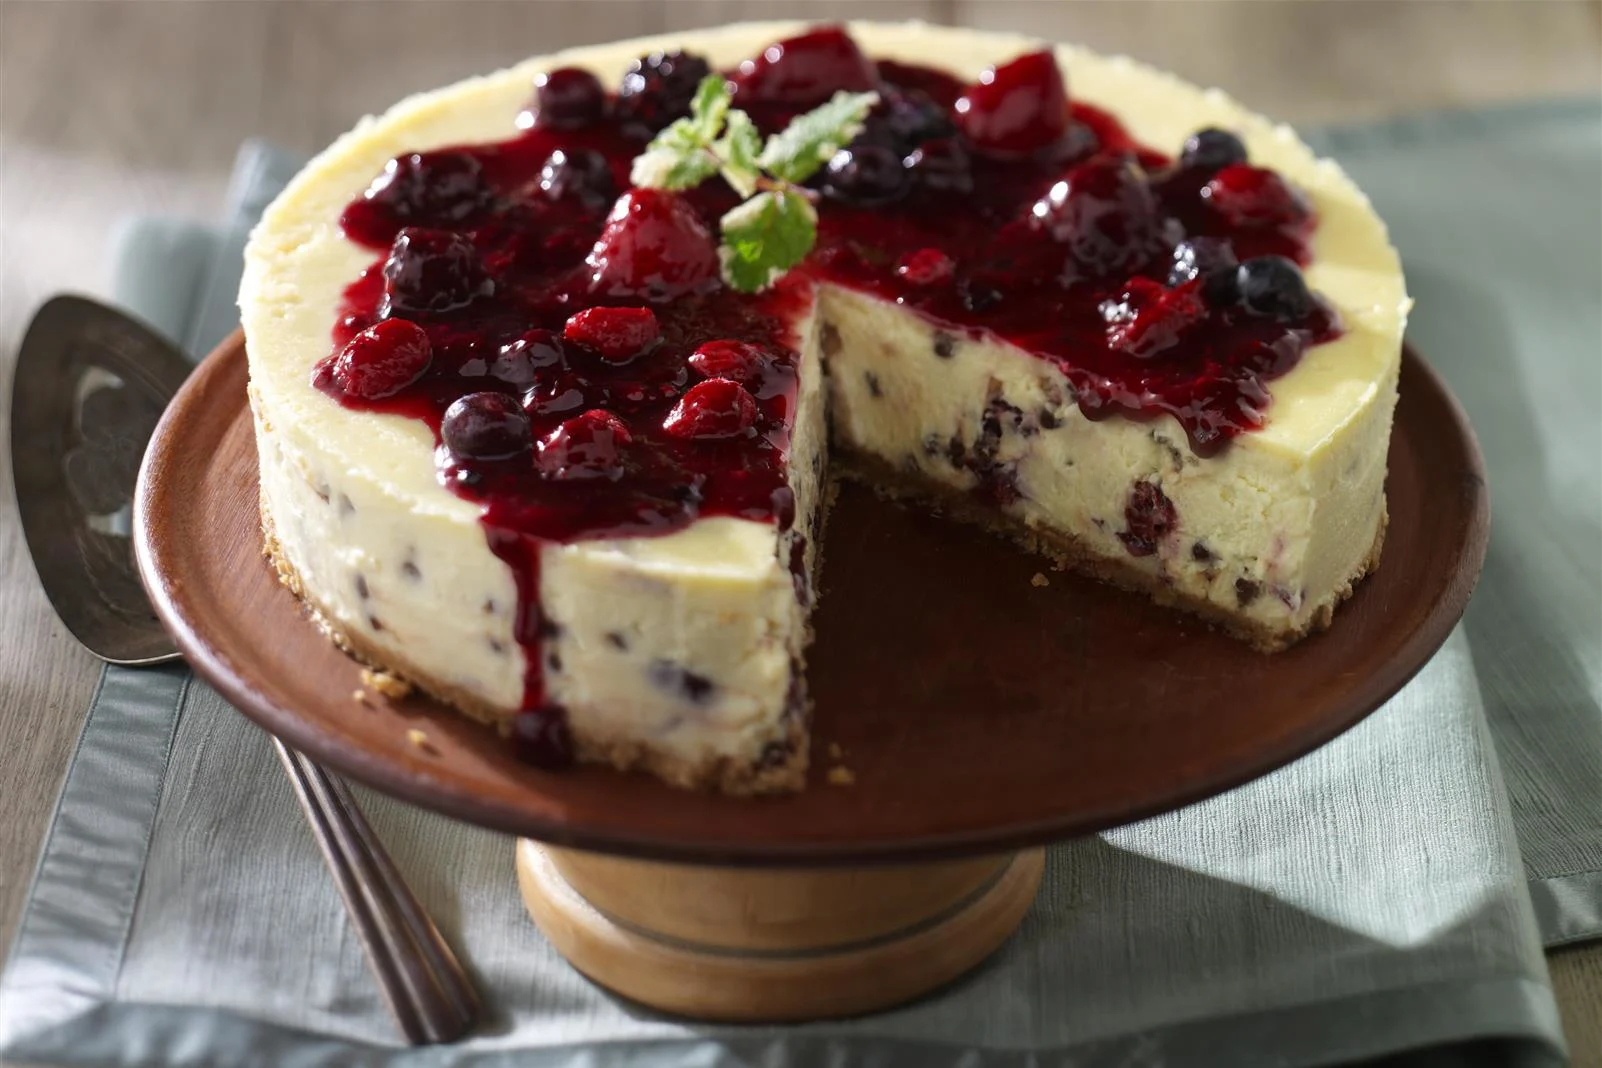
(1212,150)
(1273,287)
(866,173)
(567,99)
(1211,259)
(941,165)
(910,118)
(485,426)
(578,174)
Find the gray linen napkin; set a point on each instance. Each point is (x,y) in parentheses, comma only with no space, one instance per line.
(1368,899)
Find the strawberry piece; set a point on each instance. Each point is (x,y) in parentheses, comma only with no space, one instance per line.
(584,447)
(926,267)
(738,361)
(1256,197)
(805,70)
(1016,109)
(1148,319)
(653,246)
(716,408)
(618,334)
(378,362)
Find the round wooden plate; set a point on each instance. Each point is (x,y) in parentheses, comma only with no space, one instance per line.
(978,712)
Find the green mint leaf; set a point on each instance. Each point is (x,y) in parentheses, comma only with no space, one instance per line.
(672,167)
(737,151)
(796,152)
(766,236)
(680,156)
(710,105)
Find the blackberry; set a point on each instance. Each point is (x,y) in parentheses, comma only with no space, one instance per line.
(658,88)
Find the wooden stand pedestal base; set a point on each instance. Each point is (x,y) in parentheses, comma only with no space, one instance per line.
(773,944)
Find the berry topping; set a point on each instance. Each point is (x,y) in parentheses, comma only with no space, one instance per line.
(1147,320)
(716,408)
(1211,150)
(906,118)
(866,173)
(519,360)
(485,426)
(658,88)
(566,99)
(1105,213)
(1016,109)
(1212,260)
(1149,517)
(1253,196)
(577,174)
(926,267)
(738,361)
(805,70)
(618,334)
(1273,287)
(942,166)
(380,361)
(588,446)
(420,189)
(432,272)
(653,246)
(559,393)
(540,737)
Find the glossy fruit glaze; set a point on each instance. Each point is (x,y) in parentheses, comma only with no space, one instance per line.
(587,375)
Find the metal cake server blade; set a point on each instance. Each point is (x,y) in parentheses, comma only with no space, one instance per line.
(91,385)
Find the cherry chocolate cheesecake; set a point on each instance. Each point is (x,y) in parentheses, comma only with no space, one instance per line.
(546,375)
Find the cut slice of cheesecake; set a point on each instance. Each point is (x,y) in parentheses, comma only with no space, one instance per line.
(519,444)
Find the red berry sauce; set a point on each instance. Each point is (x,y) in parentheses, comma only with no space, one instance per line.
(648,395)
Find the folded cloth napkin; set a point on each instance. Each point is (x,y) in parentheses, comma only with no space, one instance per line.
(1369,899)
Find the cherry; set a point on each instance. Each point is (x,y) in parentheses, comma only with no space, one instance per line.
(738,361)
(653,246)
(432,272)
(715,408)
(540,737)
(865,173)
(567,98)
(1273,287)
(577,174)
(1250,196)
(1149,517)
(485,426)
(1211,150)
(926,267)
(519,360)
(618,334)
(422,188)
(380,361)
(942,166)
(1146,319)
(587,446)
(658,89)
(1105,213)
(805,70)
(1016,109)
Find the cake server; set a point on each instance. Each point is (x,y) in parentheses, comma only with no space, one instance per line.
(91,383)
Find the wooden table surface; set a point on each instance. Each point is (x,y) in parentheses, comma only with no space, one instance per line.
(115,108)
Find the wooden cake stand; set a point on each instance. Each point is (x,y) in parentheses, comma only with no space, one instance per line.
(977,714)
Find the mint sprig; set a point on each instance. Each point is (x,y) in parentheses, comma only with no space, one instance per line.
(776,224)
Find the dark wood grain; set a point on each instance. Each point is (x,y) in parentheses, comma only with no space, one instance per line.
(978,712)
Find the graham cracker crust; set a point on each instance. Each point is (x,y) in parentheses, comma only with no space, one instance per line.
(1072,554)
(718,773)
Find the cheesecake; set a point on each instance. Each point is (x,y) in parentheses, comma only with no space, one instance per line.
(524,443)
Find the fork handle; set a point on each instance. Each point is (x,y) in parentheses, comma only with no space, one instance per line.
(426,989)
